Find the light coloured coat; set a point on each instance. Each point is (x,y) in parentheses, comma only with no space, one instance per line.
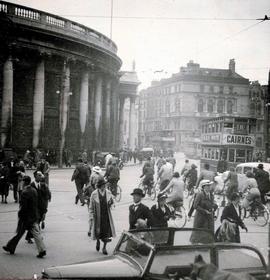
(94,214)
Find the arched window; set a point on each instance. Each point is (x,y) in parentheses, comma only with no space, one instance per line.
(229,107)
(200,106)
(210,106)
(220,106)
(252,108)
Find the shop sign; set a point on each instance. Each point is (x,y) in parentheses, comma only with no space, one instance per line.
(168,139)
(231,139)
(209,138)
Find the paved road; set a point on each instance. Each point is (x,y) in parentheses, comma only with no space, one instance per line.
(67,225)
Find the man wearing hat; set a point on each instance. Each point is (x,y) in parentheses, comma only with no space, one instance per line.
(28,220)
(262,178)
(138,210)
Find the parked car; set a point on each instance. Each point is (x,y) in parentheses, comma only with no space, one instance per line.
(99,159)
(163,254)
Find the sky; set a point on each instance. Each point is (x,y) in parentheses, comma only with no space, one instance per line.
(163,35)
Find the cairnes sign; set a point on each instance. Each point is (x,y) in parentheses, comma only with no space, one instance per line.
(231,139)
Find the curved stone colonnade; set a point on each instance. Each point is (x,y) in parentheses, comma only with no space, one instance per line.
(59,83)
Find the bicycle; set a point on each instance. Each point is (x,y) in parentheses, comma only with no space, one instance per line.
(179,217)
(118,192)
(257,211)
(148,190)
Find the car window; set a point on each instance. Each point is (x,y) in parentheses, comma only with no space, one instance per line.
(247,168)
(239,170)
(139,251)
(183,237)
(245,258)
(176,257)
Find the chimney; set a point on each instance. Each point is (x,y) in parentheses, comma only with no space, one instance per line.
(232,66)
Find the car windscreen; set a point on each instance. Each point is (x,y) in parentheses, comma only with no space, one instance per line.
(176,257)
(246,258)
(138,250)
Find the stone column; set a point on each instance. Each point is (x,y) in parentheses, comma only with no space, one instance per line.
(91,116)
(98,110)
(132,125)
(63,113)
(7,102)
(115,115)
(107,114)
(121,121)
(38,103)
(83,105)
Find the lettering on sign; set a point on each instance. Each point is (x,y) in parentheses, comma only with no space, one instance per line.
(230,139)
(211,138)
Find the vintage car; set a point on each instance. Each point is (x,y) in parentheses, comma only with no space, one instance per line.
(163,254)
(99,158)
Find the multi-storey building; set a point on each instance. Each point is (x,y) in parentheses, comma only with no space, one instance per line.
(172,109)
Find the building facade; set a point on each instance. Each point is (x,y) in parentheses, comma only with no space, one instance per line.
(59,84)
(172,109)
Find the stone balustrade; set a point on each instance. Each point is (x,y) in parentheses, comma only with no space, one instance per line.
(44,20)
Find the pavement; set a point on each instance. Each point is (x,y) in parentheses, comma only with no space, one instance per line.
(65,234)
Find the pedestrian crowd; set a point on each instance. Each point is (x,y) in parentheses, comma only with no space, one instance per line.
(98,192)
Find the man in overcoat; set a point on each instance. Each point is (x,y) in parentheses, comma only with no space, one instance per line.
(262,178)
(28,220)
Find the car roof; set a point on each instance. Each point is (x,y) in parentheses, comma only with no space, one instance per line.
(253,164)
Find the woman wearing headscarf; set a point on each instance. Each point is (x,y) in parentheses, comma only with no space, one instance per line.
(100,217)
(204,218)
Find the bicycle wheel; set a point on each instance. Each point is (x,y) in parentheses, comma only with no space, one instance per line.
(260,215)
(180,219)
(118,194)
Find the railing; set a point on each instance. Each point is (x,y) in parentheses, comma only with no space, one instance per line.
(47,19)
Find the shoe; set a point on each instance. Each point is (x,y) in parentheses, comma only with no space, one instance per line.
(5,202)
(5,248)
(29,241)
(98,245)
(83,204)
(41,254)
(104,251)
(42,225)
(16,200)
(76,199)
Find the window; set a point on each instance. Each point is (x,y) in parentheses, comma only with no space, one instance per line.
(167,108)
(259,109)
(220,106)
(221,89)
(252,108)
(210,106)
(259,142)
(231,155)
(240,155)
(211,89)
(201,88)
(231,89)
(177,105)
(229,107)
(200,106)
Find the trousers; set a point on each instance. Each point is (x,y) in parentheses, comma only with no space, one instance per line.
(34,229)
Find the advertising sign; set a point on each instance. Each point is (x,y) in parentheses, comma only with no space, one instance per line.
(211,138)
(244,140)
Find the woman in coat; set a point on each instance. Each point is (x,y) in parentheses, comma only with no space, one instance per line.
(204,218)
(100,217)
(231,214)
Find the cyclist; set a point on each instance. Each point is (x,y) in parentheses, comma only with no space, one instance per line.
(175,190)
(191,177)
(185,169)
(262,178)
(252,190)
(113,176)
(148,174)
(165,174)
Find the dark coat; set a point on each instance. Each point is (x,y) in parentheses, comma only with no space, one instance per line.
(202,219)
(28,212)
(44,196)
(142,212)
(229,213)
(81,173)
(262,178)
(160,218)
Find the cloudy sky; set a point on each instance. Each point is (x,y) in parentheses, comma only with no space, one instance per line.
(163,35)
